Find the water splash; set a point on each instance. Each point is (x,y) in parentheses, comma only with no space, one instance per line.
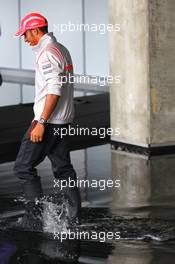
(48,214)
(54,215)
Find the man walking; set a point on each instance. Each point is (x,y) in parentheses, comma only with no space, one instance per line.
(53,109)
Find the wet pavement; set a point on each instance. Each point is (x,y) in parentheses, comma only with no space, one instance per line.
(130,219)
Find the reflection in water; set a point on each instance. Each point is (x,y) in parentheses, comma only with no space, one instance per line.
(142,253)
(131,254)
(135,190)
(147,184)
(36,249)
(142,209)
(6,251)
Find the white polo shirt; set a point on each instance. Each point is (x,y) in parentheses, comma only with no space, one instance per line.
(52,76)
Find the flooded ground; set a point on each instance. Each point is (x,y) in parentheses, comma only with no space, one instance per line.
(128,220)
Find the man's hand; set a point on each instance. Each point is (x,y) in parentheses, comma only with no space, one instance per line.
(37,133)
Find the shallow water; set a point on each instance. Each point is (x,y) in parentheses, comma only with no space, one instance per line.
(130,224)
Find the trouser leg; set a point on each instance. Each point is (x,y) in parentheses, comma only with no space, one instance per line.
(64,171)
(30,155)
(32,189)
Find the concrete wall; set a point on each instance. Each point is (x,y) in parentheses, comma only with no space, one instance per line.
(96,43)
(9,46)
(143,54)
(9,49)
(89,50)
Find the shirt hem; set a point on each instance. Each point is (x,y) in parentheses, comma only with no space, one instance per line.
(61,122)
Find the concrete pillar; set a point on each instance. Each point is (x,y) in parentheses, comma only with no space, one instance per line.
(143,54)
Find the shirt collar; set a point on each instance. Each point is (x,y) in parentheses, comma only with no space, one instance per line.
(44,40)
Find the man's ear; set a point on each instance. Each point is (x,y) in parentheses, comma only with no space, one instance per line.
(35,31)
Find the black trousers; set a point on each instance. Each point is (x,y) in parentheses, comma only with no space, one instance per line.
(56,149)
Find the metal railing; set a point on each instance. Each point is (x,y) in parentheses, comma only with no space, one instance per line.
(86,83)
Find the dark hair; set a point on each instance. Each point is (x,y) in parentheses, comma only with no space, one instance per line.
(44,29)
